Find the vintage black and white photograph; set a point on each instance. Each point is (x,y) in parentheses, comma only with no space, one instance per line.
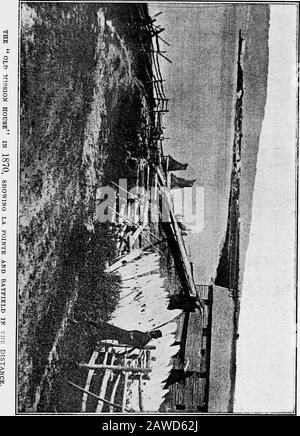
(156,252)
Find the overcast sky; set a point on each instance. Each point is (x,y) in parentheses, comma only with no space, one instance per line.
(201,84)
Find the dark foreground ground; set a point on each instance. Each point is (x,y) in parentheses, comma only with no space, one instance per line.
(84,107)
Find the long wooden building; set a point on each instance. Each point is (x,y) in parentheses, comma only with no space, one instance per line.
(201,378)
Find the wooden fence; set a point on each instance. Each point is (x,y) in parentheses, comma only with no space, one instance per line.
(118,364)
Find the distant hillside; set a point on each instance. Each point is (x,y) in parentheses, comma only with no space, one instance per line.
(84,106)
